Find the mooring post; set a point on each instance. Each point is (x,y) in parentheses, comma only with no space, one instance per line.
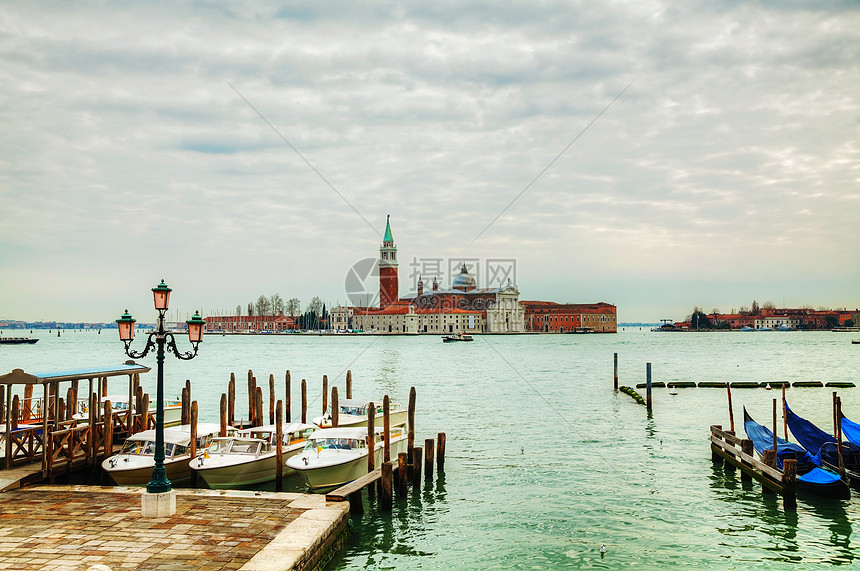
(356,506)
(15,412)
(28,403)
(271,398)
(222,416)
(839,437)
(731,410)
(335,408)
(746,448)
(440,452)
(279,447)
(143,418)
(789,482)
(768,456)
(386,479)
(714,456)
(428,459)
(188,388)
(402,461)
(774,427)
(252,382)
(417,453)
(615,376)
(108,429)
(386,429)
(371,436)
(304,401)
(193,423)
(325,394)
(231,400)
(648,386)
(784,417)
(287,397)
(185,414)
(348,385)
(8,421)
(258,415)
(411,435)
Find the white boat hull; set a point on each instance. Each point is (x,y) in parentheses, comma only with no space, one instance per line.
(138,472)
(349,421)
(334,474)
(222,471)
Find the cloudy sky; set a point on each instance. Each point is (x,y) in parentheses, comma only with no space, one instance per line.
(244,148)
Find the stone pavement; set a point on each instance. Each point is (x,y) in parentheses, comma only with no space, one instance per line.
(76,527)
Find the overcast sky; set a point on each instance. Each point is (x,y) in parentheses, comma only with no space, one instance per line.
(728,171)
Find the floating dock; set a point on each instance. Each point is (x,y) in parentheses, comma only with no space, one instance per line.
(81,526)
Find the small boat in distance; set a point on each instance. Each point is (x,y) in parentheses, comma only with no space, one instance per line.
(746,328)
(250,457)
(132,466)
(333,457)
(810,476)
(17,340)
(456,337)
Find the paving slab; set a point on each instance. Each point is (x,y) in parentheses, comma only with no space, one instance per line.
(75,527)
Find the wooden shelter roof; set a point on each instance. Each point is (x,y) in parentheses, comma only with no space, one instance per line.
(19,377)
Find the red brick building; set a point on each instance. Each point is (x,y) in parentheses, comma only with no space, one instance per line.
(249,323)
(551,317)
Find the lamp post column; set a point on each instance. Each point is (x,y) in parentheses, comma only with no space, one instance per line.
(159,483)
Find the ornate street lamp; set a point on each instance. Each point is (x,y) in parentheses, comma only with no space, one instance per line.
(160,338)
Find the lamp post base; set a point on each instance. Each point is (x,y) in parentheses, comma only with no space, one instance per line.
(158,505)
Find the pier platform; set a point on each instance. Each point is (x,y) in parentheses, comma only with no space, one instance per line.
(76,527)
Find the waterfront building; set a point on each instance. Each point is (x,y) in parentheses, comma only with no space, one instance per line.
(249,323)
(551,317)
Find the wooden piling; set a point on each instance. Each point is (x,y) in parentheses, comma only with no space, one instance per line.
(104,387)
(839,437)
(143,417)
(108,429)
(769,457)
(287,397)
(28,403)
(61,416)
(325,394)
(222,409)
(385,498)
(401,473)
(417,454)
(348,385)
(648,386)
(746,448)
(440,452)
(789,479)
(71,411)
(188,390)
(428,459)
(185,415)
(15,410)
(335,408)
(371,435)
(304,401)
(258,414)
(279,447)
(271,398)
(74,398)
(231,400)
(731,410)
(252,395)
(774,426)
(193,422)
(784,417)
(615,375)
(386,429)
(411,434)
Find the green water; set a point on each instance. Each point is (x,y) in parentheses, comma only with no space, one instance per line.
(544,461)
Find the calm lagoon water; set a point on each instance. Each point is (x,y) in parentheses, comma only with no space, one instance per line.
(544,461)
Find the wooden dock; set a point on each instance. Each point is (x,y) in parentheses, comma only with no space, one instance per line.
(737,453)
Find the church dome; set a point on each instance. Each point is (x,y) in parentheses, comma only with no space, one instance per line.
(464,281)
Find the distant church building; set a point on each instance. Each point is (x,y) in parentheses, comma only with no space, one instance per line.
(464,308)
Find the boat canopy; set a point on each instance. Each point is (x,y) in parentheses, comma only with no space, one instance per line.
(810,436)
(851,430)
(763,440)
(19,377)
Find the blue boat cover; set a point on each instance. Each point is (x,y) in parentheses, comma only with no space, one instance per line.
(762,439)
(819,476)
(808,435)
(851,431)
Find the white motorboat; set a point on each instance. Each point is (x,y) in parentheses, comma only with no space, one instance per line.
(353,413)
(172,409)
(249,457)
(132,466)
(335,456)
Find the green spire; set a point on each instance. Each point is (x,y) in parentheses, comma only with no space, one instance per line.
(388,237)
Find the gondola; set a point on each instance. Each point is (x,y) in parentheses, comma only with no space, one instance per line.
(810,477)
(822,445)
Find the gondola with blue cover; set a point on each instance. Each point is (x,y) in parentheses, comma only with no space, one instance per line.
(810,476)
(821,444)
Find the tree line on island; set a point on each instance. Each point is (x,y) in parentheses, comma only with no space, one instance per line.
(313,317)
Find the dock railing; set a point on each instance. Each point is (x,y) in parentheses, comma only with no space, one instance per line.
(737,453)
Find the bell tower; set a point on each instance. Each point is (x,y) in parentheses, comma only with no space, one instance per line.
(388,291)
